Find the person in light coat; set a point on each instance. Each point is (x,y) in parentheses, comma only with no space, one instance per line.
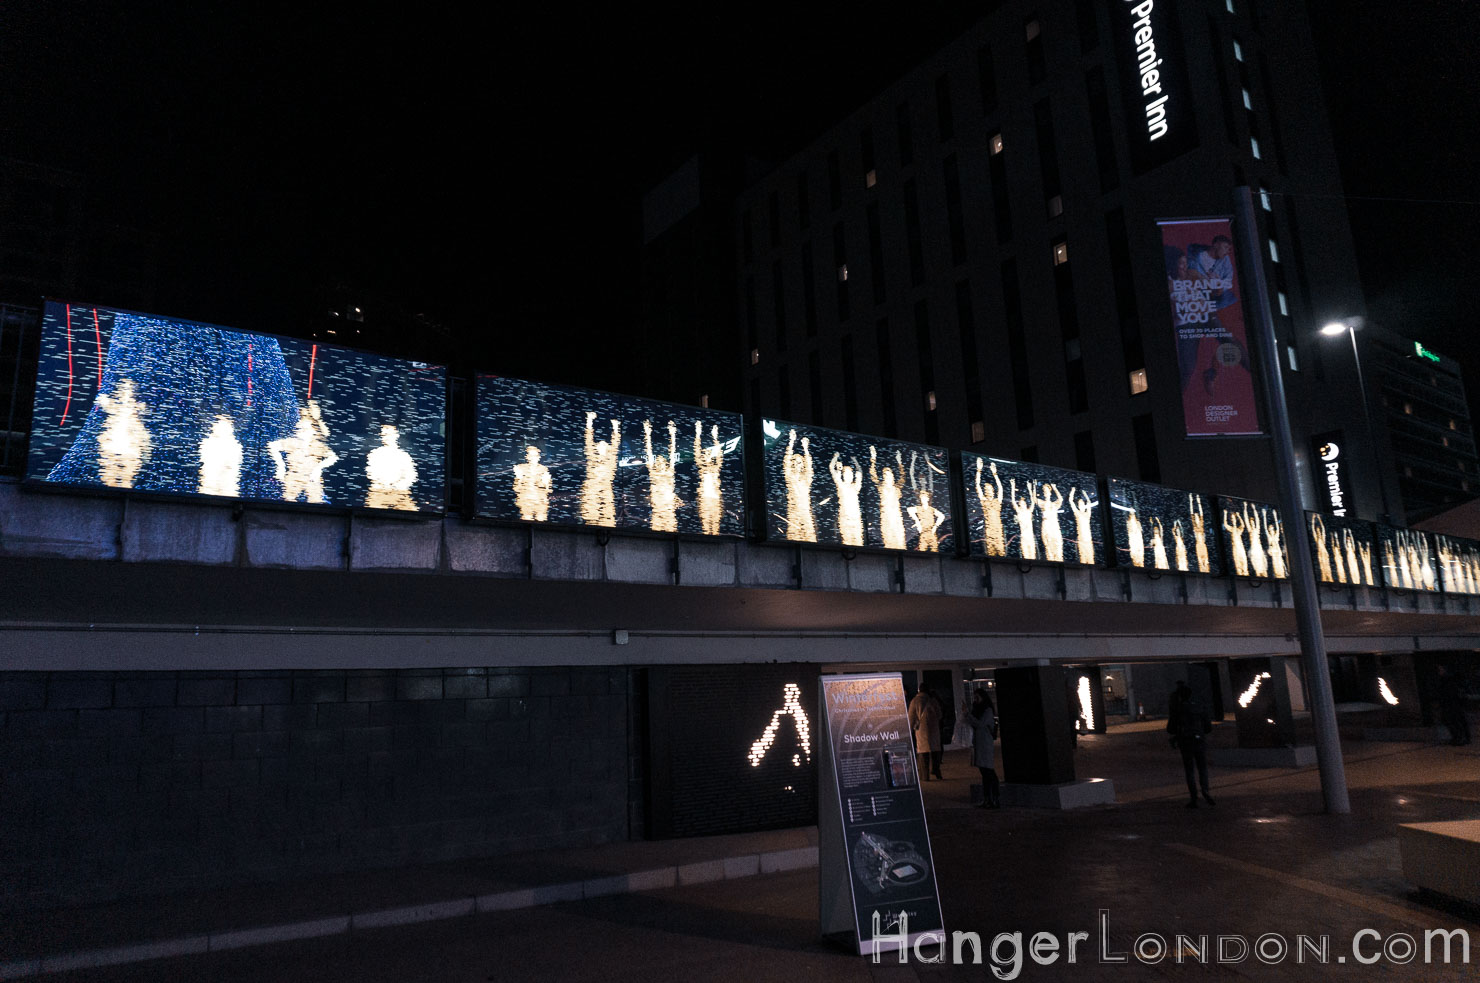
(983,750)
(925,724)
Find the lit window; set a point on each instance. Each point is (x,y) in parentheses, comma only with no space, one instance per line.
(870,179)
(1060,253)
(1229,4)
(1444,441)
(704,401)
(1033,29)
(1248,100)
(978,431)
(1284,302)
(995,143)
(1408,408)
(1254,147)
(755,356)
(1274,251)
(843,273)
(1264,199)
(930,401)
(1407,471)
(1138,382)
(1238,51)
(1291,358)
(331,331)
(1055,206)
(1452,426)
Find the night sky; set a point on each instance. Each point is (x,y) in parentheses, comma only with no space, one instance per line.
(488,169)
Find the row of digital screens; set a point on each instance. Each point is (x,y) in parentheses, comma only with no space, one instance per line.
(133,401)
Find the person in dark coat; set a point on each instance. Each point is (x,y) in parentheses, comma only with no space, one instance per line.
(1189,723)
(983,753)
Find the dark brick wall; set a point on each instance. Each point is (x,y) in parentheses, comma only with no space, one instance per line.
(117,784)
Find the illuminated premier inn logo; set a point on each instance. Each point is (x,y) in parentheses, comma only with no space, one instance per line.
(1330,454)
(138,402)
(791,705)
(1148,64)
(1330,474)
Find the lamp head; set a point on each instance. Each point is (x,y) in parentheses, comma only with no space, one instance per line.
(1335,328)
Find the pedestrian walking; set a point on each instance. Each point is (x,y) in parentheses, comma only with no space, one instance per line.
(925,724)
(983,746)
(1189,723)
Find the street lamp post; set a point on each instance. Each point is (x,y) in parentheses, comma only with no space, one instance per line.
(1297,538)
(1349,327)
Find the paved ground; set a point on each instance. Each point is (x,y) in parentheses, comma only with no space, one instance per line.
(1265,860)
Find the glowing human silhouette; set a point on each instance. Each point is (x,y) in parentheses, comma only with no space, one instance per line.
(392,472)
(709,460)
(1084,534)
(124,446)
(532,486)
(1272,534)
(1350,542)
(221,460)
(927,519)
(1158,545)
(1134,541)
(1338,565)
(849,484)
(890,491)
(1390,565)
(1365,551)
(1179,544)
(663,503)
(1023,509)
(1258,559)
(1199,533)
(1049,505)
(1318,542)
(797,469)
(991,499)
(598,502)
(301,459)
(1233,522)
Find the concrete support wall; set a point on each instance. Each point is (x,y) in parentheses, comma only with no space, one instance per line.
(129,783)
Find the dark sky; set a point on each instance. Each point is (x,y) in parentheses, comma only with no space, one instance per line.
(487,168)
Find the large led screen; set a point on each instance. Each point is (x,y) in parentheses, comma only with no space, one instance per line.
(1409,560)
(844,489)
(1023,511)
(1342,550)
(155,404)
(1160,528)
(1459,563)
(577,457)
(1253,538)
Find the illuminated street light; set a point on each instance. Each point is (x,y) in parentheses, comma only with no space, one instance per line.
(1349,326)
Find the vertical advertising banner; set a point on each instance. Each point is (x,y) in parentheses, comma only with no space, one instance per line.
(877,878)
(1212,345)
(1328,466)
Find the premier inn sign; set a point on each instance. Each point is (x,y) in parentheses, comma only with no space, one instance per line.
(1155,95)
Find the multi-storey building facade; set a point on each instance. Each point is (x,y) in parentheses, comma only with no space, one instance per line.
(972,259)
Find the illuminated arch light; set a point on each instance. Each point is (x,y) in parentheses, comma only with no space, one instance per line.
(791,705)
(1086,704)
(1387,694)
(1247,696)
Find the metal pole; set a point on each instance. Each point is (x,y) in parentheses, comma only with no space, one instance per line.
(1297,541)
(1387,517)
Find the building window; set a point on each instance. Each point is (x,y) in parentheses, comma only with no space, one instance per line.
(930,403)
(1290,357)
(1147,461)
(944,118)
(1408,408)
(1254,147)
(1264,199)
(1032,29)
(804,205)
(978,431)
(870,179)
(1248,100)
(1060,253)
(755,356)
(704,401)
(1238,51)
(1229,5)
(1138,381)
(906,138)
(1284,302)
(843,273)
(1274,251)
(995,143)
(1037,65)
(1452,426)
(1444,441)
(1055,206)
(1084,451)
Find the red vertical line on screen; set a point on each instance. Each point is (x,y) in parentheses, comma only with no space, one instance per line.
(68,407)
(98,335)
(313,357)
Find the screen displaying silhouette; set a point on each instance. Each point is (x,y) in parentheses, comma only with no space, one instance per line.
(844,489)
(1459,564)
(1020,511)
(153,404)
(1344,551)
(1253,538)
(1160,528)
(1408,558)
(578,457)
